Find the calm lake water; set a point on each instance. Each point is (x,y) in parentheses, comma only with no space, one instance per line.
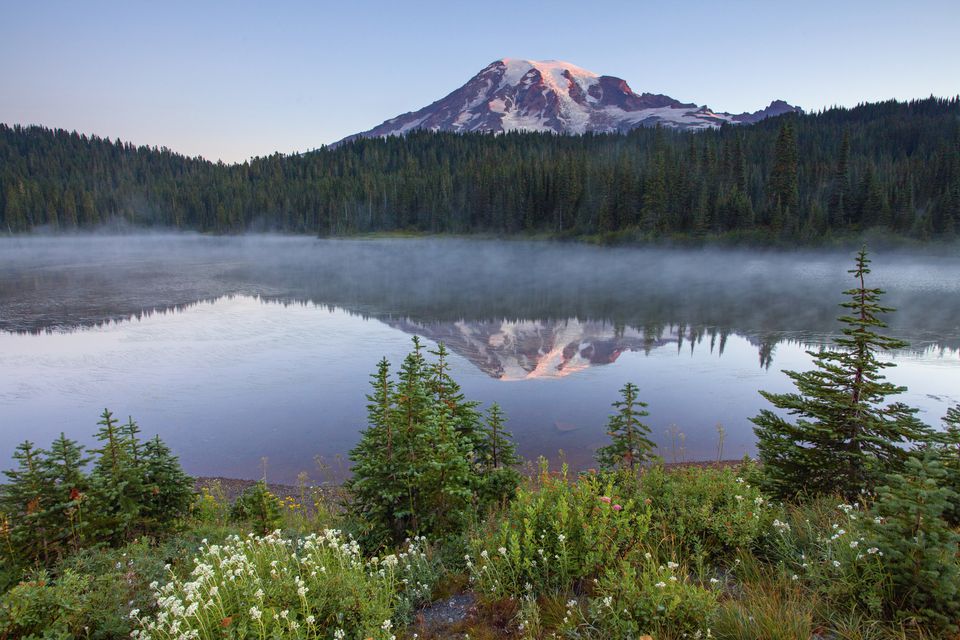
(240,349)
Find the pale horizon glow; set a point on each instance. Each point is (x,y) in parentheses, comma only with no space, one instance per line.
(233,80)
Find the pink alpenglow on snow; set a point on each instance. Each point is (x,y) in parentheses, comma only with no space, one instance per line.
(513,94)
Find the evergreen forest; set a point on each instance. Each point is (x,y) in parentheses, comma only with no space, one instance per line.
(890,168)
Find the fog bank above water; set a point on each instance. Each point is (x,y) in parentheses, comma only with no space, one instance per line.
(65,282)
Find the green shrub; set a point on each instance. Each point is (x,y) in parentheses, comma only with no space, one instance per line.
(704,513)
(259,507)
(91,592)
(40,607)
(271,587)
(553,536)
(644,598)
(210,505)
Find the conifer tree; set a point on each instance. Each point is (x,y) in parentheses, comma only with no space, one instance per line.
(373,486)
(65,465)
(845,437)
(497,459)
(131,432)
(25,501)
(463,412)
(949,453)
(417,469)
(446,488)
(783,187)
(116,484)
(631,445)
(168,490)
(919,548)
(414,406)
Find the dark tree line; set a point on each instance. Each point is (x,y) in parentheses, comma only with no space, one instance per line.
(891,165)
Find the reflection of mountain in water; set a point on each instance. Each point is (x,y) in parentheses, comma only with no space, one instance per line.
(517,350)
(528,349)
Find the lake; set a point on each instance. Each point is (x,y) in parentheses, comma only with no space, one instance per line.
(254,352)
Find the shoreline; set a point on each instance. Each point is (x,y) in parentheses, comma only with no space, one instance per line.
(231,488)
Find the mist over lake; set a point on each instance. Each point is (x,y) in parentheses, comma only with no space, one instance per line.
(239,348)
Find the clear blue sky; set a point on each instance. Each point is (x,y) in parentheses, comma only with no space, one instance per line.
(229,80)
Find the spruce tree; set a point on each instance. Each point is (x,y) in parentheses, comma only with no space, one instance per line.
(130,431)
(373,487)
(412,426)
(446,488)
(463,412)
(631,445)
(783,190)
(65,465)
(949,453)
(26,500)
(415,469)
(168,491)
(919,548)
(116,483)
(845,436)
(497,460)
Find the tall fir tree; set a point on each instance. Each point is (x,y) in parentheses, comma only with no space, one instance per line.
(414,404)
(25,500)
(497,460)
(375,493)
(464,413)
(783,187)
(168,491)
(845,436)
(631,445)
(116,485)
(65,464)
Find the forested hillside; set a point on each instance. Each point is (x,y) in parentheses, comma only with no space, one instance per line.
(891,165)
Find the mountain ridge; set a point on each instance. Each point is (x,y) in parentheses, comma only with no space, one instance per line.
(514,94)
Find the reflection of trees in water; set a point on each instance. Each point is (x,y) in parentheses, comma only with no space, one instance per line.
(619,299)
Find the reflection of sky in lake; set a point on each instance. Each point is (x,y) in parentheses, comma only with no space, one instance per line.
(230,381)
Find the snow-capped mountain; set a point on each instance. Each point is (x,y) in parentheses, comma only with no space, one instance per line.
(512,94)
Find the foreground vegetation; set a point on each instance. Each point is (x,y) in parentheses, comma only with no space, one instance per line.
(892,167)
(846,528)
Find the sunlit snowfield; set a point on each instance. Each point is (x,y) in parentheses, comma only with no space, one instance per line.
(240,349)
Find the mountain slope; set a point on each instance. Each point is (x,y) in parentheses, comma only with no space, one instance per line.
(513,94)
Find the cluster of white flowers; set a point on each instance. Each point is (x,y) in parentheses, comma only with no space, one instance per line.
(254,570)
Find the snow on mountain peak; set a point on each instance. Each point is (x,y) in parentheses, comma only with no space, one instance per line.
(556,70)
(513,94)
